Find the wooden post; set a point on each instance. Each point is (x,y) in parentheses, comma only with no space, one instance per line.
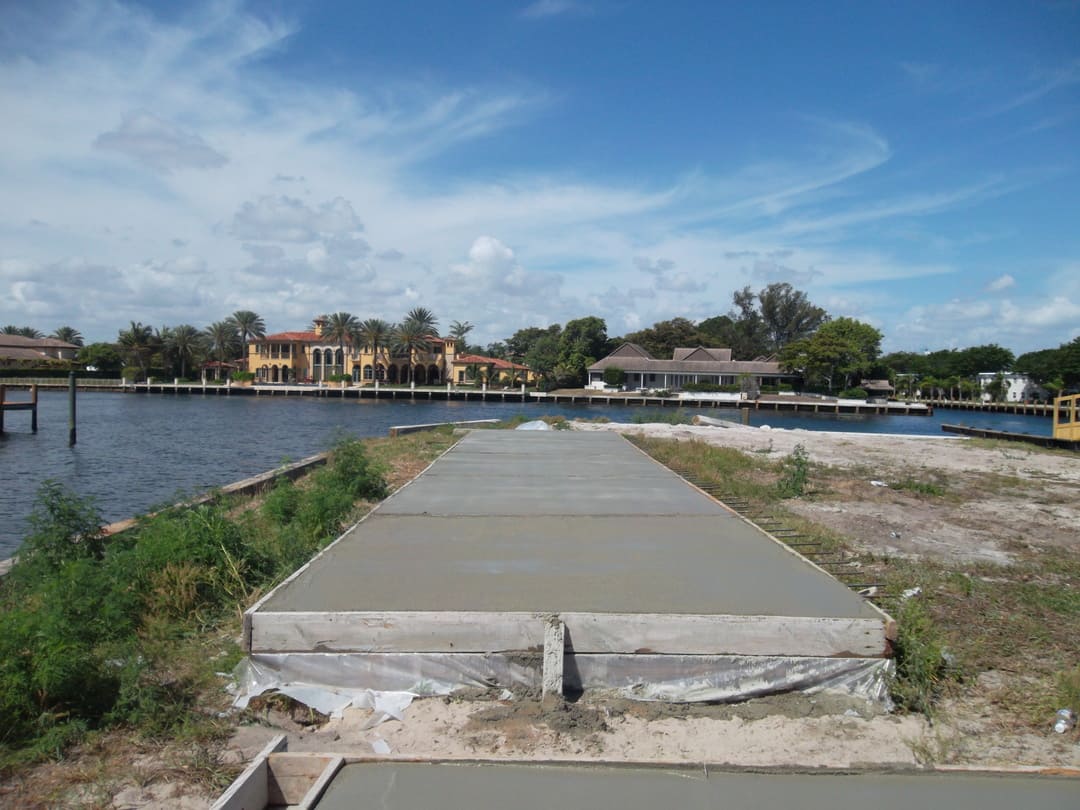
(71,409)
(3,391)
(33,408)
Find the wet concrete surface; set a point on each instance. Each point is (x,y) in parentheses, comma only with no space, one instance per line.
(534,787)
(547,521)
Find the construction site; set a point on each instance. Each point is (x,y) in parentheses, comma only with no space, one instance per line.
(558,565)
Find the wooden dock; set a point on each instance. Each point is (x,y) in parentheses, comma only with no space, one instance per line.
(19,405)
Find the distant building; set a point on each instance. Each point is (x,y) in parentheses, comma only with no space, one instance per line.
(311,356)
(19,350)
(689,365)
(466,367)
(1018,387)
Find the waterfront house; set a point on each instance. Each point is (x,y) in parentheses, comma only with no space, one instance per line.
(16,350)
(311,356)
(688,365)
(1017,387)
(466,368)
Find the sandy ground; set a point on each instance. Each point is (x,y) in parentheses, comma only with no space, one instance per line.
(1038,497)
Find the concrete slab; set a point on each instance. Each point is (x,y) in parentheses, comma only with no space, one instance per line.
(467,536)
(413,786)
(507,529)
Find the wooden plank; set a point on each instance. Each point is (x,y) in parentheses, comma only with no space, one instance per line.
(405,631)
(315,792)
(554,651)
(249,791)
(473,632)
(683,634)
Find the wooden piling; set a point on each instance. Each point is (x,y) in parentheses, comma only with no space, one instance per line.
(71,410)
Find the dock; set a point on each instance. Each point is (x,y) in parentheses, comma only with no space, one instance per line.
(567,562)
(19,405)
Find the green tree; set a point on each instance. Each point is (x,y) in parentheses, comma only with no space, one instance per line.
(103,356)
(977,359)
(542,355)
(459,330)
(68,334)
(411,337)
(183,347)
(425,319)
(342,327)
(248,325)
(22,331)
(374,334)
(663,337)
(787,315)
(838,351)
(137,344)
(615,376)
(221,340)
(582,343)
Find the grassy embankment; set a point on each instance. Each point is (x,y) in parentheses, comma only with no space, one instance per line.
(120,641)
(967,619)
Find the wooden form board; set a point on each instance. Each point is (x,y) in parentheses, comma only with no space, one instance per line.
(644,633)
(279,778)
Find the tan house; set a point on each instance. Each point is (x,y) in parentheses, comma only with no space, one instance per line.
(466,368)
(311,357)
(22,351)
(687,365)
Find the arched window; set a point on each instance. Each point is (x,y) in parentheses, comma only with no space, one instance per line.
(392,374)
(433,375)
(339,358)
(316,357)
(368,372)
(380,372)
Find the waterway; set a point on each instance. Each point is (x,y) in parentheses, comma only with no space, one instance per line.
(136,452)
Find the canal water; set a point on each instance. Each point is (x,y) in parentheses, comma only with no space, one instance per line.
(136,452)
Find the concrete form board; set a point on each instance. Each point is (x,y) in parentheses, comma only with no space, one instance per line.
(397,786)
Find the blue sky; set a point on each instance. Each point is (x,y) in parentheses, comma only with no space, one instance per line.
(510,164)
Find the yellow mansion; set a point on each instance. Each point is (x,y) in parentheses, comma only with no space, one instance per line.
(298,357)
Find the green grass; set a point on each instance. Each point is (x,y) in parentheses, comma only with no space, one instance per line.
(920,487)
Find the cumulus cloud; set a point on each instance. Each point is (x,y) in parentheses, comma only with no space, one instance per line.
(493,267)
(1001,283)
(287,219)
(159,144)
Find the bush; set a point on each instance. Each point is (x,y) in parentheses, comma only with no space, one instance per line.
(242,376)
(92,632)
(853,393)
(338,378)
(613,375)
(795,471)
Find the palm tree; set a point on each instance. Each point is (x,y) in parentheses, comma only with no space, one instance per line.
(221,340)
(373,334)
(248,325)
(137,343)
(23,331)
(342,327)
(424,318)
(410,337)
(68,334)
(458,331)
(184,344)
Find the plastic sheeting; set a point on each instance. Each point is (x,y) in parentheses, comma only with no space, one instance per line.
(336,681)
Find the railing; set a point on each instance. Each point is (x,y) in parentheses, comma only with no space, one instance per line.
(62,382)
(1067,418)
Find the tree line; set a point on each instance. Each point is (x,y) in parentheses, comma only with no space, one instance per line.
(777,322)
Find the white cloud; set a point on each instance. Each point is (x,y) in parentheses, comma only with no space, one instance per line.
(492,267)
(553,8)
(286,219)
(1000,283)
(159,144)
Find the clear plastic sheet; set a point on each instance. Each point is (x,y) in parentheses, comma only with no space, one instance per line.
(331,682)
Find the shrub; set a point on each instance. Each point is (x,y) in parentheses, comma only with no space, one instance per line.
(853,393)
(795,471)
(242,376)
(613,375)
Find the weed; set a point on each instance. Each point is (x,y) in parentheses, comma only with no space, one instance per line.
(920,487)
(794,473)
(920,663)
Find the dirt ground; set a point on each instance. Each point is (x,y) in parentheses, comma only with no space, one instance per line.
(1026,499)
(1037,497)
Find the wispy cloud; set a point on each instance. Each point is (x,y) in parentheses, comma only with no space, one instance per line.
(542,9)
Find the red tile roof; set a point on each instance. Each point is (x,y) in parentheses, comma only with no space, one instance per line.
(295,337)
(480,360)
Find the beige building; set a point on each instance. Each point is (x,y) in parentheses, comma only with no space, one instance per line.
(312,357)
(688,365)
